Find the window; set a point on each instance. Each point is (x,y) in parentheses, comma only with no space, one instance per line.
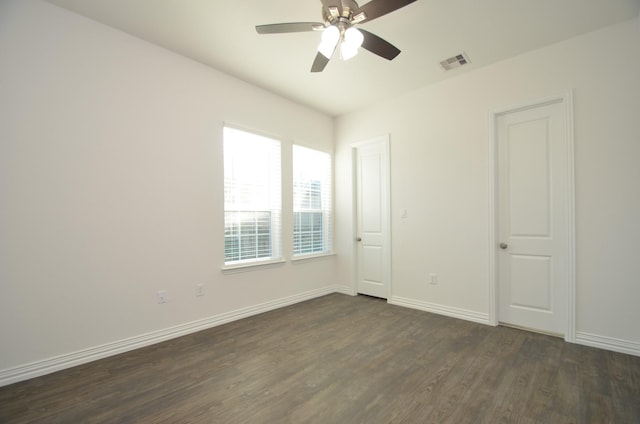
(251,197)
(311,201)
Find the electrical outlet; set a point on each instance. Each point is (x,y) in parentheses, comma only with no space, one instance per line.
(162,296)
(433,278)
(199,290)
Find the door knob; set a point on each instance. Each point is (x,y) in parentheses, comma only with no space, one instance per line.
(359,239)
(503,245)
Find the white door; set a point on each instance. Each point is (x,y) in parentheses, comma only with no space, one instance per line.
(533,259)
(372,212)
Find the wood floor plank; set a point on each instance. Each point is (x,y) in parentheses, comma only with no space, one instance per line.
(341,359)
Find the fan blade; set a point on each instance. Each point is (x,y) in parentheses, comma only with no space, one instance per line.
(328,4)
(289,27)
(376,8)
(319,63)
(378,46)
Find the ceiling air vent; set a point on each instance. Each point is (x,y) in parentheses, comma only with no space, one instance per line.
(455,61)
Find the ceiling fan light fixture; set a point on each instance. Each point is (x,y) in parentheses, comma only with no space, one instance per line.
(329,41)
(337,26)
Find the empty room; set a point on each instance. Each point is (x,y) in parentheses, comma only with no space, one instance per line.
(319,211)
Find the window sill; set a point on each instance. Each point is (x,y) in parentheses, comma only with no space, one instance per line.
(252,266)
(311,257)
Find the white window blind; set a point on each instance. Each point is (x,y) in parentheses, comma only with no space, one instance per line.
(252,203)
(312,211)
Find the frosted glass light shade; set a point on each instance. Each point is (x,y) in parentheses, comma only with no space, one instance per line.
(353,37)
(330,38)
(347,51)
(352,41)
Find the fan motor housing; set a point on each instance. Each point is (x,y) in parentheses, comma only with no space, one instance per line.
(348,6)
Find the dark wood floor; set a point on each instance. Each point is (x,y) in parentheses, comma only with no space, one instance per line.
(341,359)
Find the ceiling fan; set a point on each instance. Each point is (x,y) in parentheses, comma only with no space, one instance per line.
(338,28)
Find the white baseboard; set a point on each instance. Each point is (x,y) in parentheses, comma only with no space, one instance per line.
(47,366)
(587,339)
(608,343)
(435,308)
(345,290)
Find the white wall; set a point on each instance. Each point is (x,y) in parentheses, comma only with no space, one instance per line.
(111,189)
(439,173)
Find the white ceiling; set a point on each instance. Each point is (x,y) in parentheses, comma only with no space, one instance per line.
(221,34)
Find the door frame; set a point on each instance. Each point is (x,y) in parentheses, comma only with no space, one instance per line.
(566,100)
(386,196)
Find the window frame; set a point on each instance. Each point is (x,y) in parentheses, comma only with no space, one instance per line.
(324,177)
(274,201)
